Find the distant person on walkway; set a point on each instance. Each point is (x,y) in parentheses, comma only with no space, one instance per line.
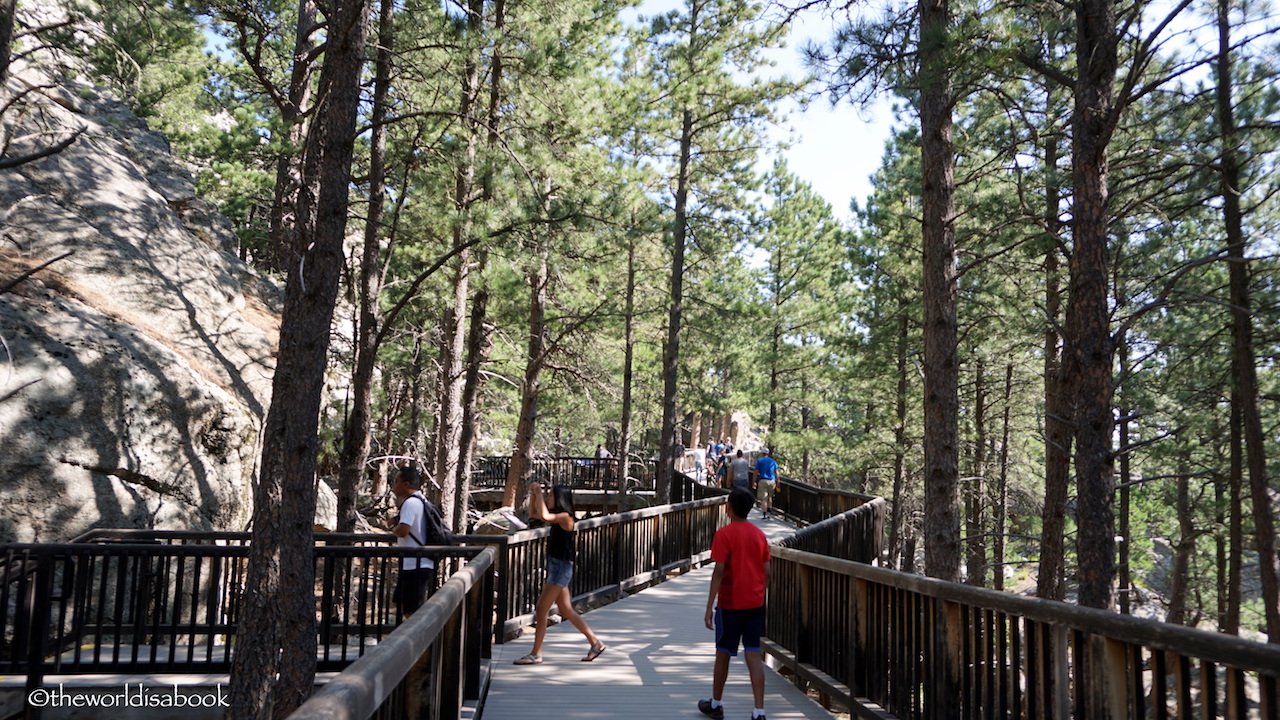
(560,556)
(766,480)
(601,453)
(740,472)
(417,575)
(735,602)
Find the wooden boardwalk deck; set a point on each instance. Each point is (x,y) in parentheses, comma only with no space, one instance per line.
(658,664)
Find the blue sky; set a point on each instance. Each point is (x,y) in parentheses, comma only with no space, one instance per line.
(835,149)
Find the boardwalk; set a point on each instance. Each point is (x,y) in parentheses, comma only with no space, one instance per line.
(658,664)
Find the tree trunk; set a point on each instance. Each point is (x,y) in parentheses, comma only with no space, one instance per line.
(479,345)
(1186,544)
(516,492)
(277,630)
(1235,537)
(1244,369)
(624,441)
(8,11)
(975,547)
(282,220)
(941,367)
(1000,521)
(775,337)
(1126,580)
(671,351)
(1057,407)
(449,424)
(899,443)
(355,437)
(1089,346)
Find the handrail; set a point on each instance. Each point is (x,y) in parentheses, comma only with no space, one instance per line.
(922,648)
(616,553)
(139,605)
(580,473)
(359,691)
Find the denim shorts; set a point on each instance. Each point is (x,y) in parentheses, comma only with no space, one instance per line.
(559,572)
(739,626)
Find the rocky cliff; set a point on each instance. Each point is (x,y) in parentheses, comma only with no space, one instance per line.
(136,358)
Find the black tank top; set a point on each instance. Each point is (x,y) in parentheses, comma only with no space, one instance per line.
(561,546)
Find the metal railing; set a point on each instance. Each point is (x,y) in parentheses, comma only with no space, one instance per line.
(916,647)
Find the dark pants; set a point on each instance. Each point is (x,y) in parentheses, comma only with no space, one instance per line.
(412,588)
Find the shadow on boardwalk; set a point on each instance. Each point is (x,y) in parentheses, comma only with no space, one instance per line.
(658,664)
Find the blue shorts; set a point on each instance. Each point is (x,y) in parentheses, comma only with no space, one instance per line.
(734,626)
(559,572)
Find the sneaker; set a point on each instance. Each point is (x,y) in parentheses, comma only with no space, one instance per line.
(705,707)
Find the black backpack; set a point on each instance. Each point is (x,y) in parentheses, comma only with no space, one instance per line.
(437,532)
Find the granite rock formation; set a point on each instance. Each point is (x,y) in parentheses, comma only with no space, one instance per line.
(137,353)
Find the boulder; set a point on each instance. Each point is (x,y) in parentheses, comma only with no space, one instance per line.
(137,354)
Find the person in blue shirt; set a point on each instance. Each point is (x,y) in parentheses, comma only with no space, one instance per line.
(766,480)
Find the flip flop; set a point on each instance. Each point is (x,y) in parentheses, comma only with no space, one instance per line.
(595,652)
(529,660)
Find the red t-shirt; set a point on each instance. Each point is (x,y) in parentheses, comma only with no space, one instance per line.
(743,550)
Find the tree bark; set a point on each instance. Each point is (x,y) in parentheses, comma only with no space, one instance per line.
(900,442)
(1057,404)
(449,418)
(479,345)
(1000,522)
(1235,538)
(1089,345)
(1244,368)
(8,12)
(1126,579)
(283,218)
(277,630)
(975,546)
(941,367)
(671,351)
(355,435)
(628,360)
(1185,547)
(521,468)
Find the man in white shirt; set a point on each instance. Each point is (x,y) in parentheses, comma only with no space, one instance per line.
(417,574)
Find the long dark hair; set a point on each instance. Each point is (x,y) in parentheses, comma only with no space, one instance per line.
(562,499)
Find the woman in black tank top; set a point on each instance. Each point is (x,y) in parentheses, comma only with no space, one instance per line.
(561,552)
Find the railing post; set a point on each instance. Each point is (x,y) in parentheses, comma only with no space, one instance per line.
(858,608)
(944,690)
(1106,679)
(447,663)
(804,639)
(1058,674)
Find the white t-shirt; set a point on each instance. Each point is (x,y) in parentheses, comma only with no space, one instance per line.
(411,514)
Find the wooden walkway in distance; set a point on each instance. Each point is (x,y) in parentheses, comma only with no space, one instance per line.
(658,663)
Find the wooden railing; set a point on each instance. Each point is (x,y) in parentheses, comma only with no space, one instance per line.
(579,473)
(142,601)
(809,504)
(429,667)
(921,648)
(616,553)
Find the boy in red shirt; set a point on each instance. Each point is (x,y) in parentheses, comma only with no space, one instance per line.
(735,603)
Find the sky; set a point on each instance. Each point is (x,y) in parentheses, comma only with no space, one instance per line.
(835,149)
